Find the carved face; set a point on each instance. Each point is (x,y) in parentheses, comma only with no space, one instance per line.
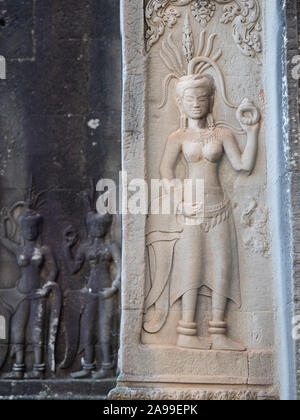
(98,226)
(195,103)
(30,228)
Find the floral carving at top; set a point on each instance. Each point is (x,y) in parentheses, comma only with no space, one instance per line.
(203,11)
(159,14)
(246,28)
(244,15)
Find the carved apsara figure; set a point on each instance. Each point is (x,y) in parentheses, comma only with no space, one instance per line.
(24,306)
(89,312)
(195,249)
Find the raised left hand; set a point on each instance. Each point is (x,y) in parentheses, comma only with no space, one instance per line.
(248,116)
(250,129)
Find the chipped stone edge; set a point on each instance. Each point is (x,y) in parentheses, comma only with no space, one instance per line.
(161,394)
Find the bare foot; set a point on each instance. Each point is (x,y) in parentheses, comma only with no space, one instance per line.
(193,342)
(14,375)
(104,374)
(82,374)
(222,342)
(35,375)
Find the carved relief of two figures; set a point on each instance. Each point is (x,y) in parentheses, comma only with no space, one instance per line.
(32,309)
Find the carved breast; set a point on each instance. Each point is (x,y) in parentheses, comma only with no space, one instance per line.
(23,261)
(36,259)
(192,151)
(209,148)
(213,151)
(99,256)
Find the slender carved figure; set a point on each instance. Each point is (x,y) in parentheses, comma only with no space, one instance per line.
(89,311)
(25,305)
(196,248)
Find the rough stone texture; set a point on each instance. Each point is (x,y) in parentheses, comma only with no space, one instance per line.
(293,49)
(144,393)
(63,72)
(55,390)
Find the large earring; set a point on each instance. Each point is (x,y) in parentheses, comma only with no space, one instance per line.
(211,122)
(183,122)
(183,119)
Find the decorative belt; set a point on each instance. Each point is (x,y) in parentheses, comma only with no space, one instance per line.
(207,217)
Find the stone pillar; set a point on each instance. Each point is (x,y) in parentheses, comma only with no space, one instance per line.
(198,301)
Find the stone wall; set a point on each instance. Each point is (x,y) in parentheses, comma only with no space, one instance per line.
(60,118)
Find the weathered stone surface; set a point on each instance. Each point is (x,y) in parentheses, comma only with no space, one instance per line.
(60,122)
(55,390)
(162,355)
(148,393)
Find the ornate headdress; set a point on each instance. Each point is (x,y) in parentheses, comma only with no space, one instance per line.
(90,200)
(189,68)
(33,203)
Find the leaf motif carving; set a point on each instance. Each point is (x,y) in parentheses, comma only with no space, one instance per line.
(159,14)
(246,27)
(244,15)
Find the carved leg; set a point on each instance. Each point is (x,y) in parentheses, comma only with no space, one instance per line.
(87,332)
(87,368)
(17,370)
(187,328)
(38,371)
(108,365)
(218,328)
(105,336)
(221,247)
(18,328)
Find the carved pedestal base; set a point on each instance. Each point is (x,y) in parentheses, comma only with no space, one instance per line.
(200,394)
(56,389)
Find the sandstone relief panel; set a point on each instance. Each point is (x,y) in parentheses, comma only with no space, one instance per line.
(201,248)
(46,328)
(60,121)
(24,307)
(207,313)
(89,312)
(244,16)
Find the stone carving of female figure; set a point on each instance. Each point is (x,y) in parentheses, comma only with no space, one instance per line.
(192,250)
(25,304)
(89,311)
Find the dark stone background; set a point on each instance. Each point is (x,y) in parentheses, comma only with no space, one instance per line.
(63,70)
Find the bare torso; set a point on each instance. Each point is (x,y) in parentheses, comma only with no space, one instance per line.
(99,257)
(203,150)
(30,260)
